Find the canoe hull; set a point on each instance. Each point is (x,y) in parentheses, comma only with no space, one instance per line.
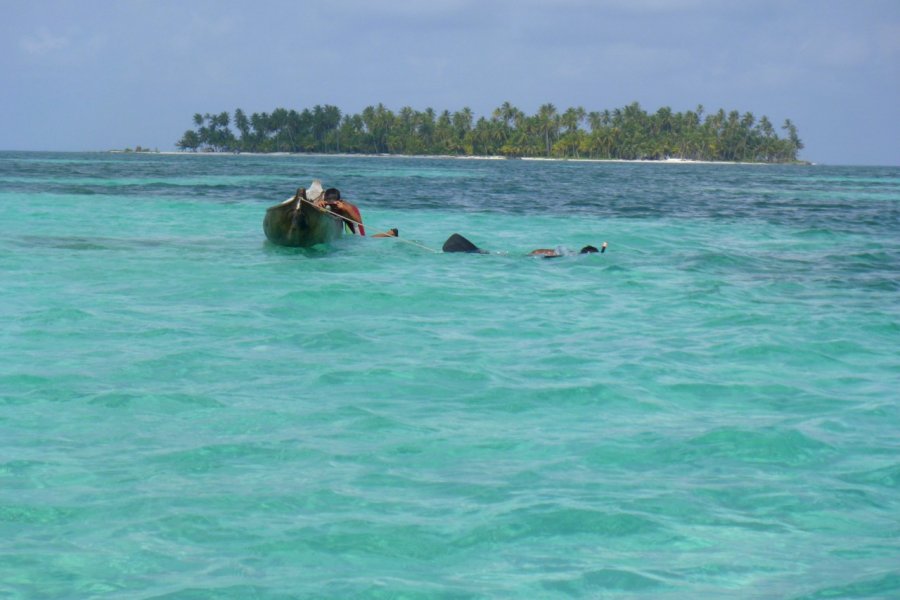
(298,224)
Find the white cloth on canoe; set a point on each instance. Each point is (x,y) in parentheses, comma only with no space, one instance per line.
(314,190)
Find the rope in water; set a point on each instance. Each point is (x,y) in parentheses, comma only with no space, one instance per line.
(357,223)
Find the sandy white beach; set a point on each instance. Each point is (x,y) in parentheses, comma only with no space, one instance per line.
(667,161)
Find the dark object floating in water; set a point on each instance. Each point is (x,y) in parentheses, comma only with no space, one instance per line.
(297,222)
(457,243)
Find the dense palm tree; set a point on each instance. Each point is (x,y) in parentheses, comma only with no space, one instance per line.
(243,126)
(628,132)
(548,124)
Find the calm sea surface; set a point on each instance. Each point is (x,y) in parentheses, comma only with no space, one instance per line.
(707,410)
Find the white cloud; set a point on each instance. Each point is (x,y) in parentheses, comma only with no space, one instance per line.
(43,42)
(71,48)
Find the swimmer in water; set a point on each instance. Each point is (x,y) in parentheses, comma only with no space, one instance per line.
(561,251)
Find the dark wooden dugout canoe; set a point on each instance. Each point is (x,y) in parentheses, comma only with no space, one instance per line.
(297,223)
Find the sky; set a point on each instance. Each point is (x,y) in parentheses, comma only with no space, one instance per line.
(103,74)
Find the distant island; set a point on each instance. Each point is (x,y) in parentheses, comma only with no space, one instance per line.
(628,133)
(139,149)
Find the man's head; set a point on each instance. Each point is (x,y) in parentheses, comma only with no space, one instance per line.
(332,195)
(588,250)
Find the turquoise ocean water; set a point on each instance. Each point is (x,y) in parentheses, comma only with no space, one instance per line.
(707,410)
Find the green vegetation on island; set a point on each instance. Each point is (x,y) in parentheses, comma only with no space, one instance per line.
(139,149)
(629,133)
